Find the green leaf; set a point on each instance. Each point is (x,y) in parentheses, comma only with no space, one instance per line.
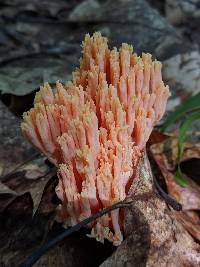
(183,129)
(190,104)
(178,177)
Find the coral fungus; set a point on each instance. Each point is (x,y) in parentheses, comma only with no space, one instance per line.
(94,129)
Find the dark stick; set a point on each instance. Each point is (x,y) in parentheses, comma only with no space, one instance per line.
(29,261)
(168,199)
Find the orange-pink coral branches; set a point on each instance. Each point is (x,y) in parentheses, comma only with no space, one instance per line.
(94,129)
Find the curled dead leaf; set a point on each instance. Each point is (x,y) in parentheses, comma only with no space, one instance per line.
(31,177)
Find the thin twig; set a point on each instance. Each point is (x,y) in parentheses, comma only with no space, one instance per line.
(168,199)
(29,261)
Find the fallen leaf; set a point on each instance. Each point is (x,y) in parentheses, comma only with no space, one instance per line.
(6,190)
(191,222)
(6,196)
(25,77)
(31,177)
(156,137)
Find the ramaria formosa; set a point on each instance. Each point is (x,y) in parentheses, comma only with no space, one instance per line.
(94,129)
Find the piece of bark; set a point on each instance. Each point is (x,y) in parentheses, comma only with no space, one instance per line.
(153,236)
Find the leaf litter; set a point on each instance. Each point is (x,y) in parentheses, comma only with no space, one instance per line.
(165,155)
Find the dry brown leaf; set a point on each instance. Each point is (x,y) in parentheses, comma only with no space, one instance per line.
(31,177)
(191,222)
(156,137)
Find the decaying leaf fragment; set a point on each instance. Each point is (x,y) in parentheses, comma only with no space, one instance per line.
(31,177)
(94,129)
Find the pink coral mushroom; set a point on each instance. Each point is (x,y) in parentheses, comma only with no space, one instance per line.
(94,129)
